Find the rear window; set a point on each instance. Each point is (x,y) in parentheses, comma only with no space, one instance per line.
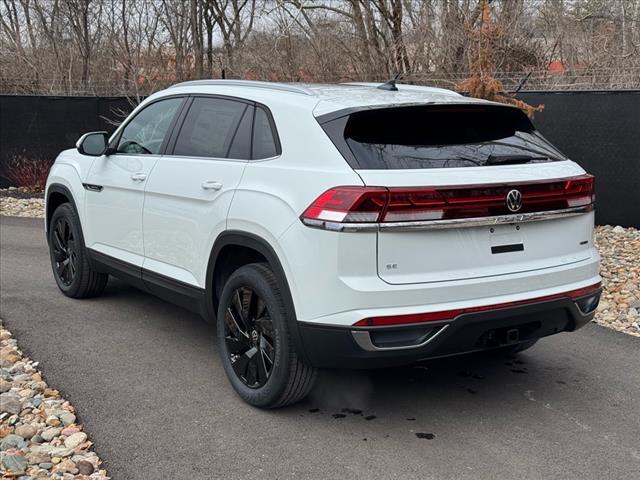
(418,137)
(210,127)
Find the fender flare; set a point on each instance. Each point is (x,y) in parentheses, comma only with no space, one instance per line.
(259,244)
(57,188)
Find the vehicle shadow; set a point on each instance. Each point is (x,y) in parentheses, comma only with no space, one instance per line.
(446,388)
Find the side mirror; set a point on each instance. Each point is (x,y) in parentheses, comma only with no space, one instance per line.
(93,143)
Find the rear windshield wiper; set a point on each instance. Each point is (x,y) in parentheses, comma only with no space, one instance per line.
(512,159)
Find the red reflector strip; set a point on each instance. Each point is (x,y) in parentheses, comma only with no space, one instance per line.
(452,314)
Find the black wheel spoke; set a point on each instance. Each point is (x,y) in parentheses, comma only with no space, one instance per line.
(267,349)
(252,305)
(249,337)
(261,373)
(237,345)
(236,320)
(72,265)
(60,232)
(61,267)
(58,242)
(64,252)
(240,365)
(241,316)
(65,271)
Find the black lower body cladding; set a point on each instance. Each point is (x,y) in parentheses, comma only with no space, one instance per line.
(343,347)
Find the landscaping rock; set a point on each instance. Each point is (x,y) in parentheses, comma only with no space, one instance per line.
(10,403)
(39,437)
(12,441)
(76,439)
(26,431)
(85,467)
(620,270)
(67,418)
(15,463)
(50,433)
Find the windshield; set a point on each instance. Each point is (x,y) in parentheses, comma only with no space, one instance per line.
(444,136)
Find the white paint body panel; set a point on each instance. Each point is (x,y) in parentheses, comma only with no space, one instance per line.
(454,254)
(169,224)
(113,223)
(181,219)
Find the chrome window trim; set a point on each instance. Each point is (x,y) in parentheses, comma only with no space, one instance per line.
(204,159)
(453,223)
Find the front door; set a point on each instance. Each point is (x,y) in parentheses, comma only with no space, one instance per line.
(115,184)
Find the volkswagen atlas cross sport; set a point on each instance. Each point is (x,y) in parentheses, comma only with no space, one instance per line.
(330,226)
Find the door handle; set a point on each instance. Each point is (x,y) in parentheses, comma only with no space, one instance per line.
(211,185)
(138,177)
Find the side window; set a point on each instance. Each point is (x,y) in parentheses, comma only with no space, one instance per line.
(241,145)
(145,133)
(265,142)
(210,127)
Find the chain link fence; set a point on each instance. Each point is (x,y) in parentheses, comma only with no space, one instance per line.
(621,78)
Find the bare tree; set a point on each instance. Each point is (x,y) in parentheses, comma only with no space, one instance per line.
(235,21)
(134,47)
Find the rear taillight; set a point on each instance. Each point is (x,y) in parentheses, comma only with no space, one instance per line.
(348,205)
(411,204)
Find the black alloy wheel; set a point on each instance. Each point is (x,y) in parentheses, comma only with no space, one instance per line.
(258,354)
(249,337)
(65,252)
(72,270)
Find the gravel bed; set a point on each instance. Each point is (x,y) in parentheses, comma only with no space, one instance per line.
(620,249)
(620,270)
(22,207)
(39,434)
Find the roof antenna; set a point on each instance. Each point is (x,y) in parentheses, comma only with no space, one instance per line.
(390,84)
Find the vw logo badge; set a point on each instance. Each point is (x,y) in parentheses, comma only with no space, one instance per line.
(514,200)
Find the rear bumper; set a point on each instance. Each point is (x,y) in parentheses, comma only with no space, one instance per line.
(377,347)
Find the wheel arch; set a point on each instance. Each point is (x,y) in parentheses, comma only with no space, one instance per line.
(57,194)
(263,250)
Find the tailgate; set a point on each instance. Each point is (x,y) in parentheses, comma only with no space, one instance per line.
(473,247)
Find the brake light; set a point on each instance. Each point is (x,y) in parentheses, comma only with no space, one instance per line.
(348,204)
(352,204)
(580,293)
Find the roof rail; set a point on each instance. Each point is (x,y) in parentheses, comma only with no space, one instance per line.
(247,83)
(408,87)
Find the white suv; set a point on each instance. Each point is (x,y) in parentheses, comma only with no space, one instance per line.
(331,226)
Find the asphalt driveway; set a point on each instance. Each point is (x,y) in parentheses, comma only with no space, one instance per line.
(151,392)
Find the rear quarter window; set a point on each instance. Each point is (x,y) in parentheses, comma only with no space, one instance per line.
(265,138)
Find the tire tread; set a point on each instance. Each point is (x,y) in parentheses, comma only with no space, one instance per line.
(301,376)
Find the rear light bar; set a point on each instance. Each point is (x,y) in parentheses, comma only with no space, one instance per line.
(452,314)
(354,204)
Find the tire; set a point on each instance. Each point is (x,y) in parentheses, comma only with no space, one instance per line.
(75,278)
(253,334)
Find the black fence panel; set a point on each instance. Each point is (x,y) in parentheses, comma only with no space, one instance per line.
(38,128)
(599,130)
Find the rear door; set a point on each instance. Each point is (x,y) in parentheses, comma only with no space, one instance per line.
(190,190)
(464,183)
